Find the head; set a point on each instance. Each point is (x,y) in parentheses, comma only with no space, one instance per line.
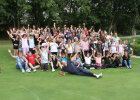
(29,53)
(125,53)
(63,55)
(88,54)
(77,56)
(116,35)
(98,54)
(42,48)
(20,54)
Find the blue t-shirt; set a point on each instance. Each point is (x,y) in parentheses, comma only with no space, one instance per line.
(64,59)
(21,60)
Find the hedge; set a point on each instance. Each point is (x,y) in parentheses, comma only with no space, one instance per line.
(136,49)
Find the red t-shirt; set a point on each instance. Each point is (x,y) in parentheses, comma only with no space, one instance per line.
(86,32)
(31,58)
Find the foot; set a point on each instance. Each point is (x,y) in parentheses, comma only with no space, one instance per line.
(53,70)
(99,75)
(23,71)
(28,70)
(92,68)
(34,70)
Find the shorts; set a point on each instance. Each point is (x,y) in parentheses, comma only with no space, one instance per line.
(44,66)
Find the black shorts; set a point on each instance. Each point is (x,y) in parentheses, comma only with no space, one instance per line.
(15,47)
(54,53)
(44,66)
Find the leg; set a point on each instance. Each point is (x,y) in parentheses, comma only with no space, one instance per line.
(129,63)
(125,63)
(19,65)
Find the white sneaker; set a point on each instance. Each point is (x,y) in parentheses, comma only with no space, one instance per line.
(99,75)
(85,68)
(53,70)
(34,70)
(23,71)
(28,70)
(92,68)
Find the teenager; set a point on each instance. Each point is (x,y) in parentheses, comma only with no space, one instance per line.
(126,60)
(21,61)
(69,67)
(31,61)
(44,58)
(15,43)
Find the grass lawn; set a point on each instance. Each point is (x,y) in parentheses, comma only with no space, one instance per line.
(116,84)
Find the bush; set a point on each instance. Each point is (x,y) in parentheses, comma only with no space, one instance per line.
(136,49)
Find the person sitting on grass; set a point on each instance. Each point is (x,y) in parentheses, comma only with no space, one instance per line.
(21,61)
(87,60)
(44,58)
(31,60)
(55,63)
(69,67)
(126,60)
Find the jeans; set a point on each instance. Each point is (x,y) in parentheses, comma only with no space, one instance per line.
(21,66)
(82,72)
(127,63)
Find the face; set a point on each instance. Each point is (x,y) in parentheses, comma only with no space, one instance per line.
(87,54)
(63,55)
(29,53)
(20,54)
(77,56)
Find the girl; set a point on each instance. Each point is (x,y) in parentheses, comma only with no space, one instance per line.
(69,48)
(120,48)
(126,60)
(15,43)
(53,47)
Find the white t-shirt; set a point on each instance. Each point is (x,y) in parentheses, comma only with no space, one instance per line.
(69,48)
(113,47)
(116,39)
(53,47)
(87,60)
(120,48)
(44,56)
(31,43)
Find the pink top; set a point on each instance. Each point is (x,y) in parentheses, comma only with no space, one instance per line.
(24,43)
(98,60)
(85,45)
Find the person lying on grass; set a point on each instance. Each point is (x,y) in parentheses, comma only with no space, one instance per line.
(69,67)
(21,61)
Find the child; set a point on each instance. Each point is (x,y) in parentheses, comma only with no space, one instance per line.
(87,60)
(54,63)
(69,48)
(126,60)
(21,61)
(31,60)
(44,58)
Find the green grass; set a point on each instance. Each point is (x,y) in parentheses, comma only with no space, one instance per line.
(116,84)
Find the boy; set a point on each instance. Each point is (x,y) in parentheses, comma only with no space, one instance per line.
(21,61)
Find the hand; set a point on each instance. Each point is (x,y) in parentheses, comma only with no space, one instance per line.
(28,25)
(9,50)
(83,23)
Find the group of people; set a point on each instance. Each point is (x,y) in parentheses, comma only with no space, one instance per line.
(73,49)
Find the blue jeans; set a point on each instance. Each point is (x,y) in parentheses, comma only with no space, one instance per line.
(83,72)
(21,66)
(127,63)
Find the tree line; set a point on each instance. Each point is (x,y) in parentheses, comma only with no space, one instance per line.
(120,16)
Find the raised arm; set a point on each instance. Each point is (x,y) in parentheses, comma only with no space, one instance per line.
(11,53)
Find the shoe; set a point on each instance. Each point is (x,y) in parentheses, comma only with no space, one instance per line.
(85,68)
(53,70)
(130,67)
(28,70)
(23,71)
(92,68)
(99,75)
(34,70)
